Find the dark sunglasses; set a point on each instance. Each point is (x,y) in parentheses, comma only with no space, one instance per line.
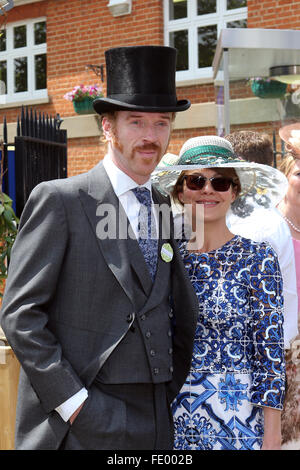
(219,183)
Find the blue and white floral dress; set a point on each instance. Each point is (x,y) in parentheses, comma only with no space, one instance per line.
(238,360)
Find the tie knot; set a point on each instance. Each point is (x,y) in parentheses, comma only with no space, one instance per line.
(143,195)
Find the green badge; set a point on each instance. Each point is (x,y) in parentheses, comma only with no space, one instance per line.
(167,252)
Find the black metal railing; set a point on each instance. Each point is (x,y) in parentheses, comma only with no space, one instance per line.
(40,152)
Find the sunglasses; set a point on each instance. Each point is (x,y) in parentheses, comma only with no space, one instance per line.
(219,183)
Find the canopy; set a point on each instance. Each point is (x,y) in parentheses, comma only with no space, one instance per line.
(243,53)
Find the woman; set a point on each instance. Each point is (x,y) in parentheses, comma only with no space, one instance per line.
(232,398)
(289,207)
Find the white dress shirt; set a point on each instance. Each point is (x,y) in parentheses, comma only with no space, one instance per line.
(122,185)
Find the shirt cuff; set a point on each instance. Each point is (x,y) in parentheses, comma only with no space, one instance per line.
(68,407)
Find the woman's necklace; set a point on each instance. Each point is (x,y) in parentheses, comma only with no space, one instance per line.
(291,224)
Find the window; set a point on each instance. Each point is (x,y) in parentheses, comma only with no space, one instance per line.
(23,61)
(193,27)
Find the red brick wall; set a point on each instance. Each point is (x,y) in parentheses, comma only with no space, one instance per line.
(33,10)
(77,37)
(276,14)
(83,154)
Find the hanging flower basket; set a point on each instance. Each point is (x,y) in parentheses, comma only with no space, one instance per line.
(84,106)
(266,88)
(82,97)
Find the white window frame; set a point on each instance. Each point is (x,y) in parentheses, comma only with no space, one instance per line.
(30,51)
(191,23)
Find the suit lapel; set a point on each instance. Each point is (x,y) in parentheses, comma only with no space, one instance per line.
(137,259)
(109,224)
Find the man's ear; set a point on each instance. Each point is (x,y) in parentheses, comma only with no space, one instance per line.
(107,128)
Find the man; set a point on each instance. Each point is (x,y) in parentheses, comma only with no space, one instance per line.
(268,225)
(102,350)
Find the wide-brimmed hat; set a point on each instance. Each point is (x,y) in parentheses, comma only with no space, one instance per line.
(290,134)
(141,78)
(261,185)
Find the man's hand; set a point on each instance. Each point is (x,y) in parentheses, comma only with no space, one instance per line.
(75,414)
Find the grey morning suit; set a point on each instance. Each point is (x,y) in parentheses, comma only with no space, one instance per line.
(80,311)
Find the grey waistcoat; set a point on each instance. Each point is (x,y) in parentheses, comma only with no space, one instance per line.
(145,353)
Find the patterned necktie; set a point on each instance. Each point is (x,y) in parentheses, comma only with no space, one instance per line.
(147,232)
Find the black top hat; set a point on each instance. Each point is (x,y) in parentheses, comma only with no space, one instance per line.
(141,78)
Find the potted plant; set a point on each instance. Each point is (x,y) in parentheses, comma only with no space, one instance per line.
(267,87)
(82,97)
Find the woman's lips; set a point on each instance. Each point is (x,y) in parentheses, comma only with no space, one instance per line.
(208,203)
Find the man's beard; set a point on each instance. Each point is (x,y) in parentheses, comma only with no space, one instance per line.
(139,148)
(148,147)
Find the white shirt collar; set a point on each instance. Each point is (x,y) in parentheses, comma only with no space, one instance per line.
(121,182)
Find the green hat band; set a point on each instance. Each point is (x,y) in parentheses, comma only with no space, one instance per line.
(213,154)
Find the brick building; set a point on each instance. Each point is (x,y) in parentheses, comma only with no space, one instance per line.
(46,46)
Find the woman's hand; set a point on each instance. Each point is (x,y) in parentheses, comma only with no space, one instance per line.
(272,429)
(271,444)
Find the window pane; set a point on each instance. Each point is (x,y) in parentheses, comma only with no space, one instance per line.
(2,40)
(20,36)
(232,4)
(206,6)
(207,41)
(20,74)
(179,40)
(40,32)
(177,9)
(237,24)
(40,64)
(3,77)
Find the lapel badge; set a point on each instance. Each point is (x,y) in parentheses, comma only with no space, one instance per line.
(166,252)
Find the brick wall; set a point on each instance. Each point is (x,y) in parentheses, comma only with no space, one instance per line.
(277,14)
(83,154)
(78,36)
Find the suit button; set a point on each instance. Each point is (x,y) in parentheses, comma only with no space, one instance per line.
(171,369)
(129,318)
(143,317)
(171,314)
(156,370)
(170,333)
(152,352)
(148,334)
(170,350)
